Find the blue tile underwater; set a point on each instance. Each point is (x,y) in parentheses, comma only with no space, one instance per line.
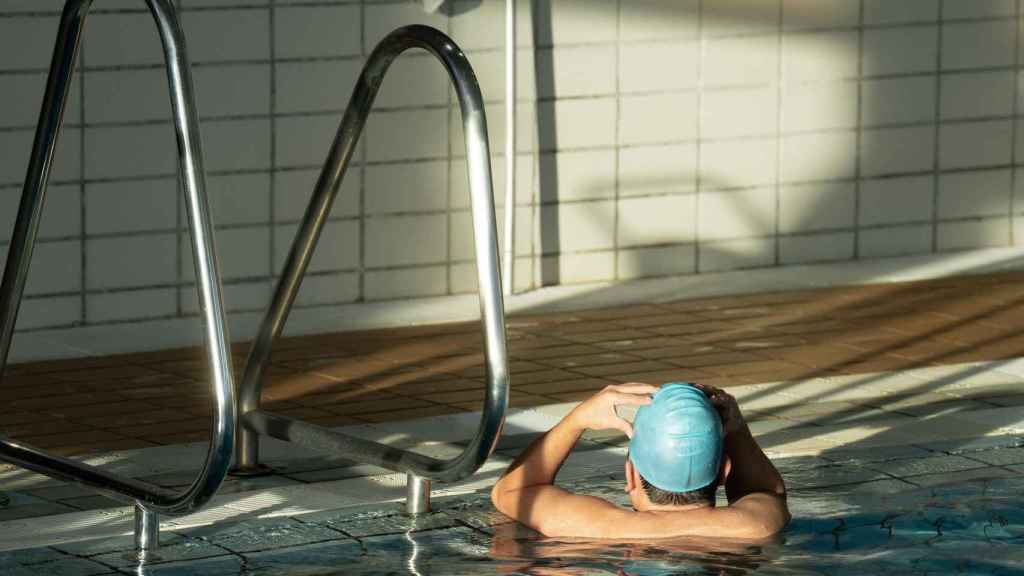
(839,527)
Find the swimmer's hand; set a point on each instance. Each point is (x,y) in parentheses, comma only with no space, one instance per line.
(598,411)
(728,409)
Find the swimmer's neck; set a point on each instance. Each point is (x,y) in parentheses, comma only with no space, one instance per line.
(667,508)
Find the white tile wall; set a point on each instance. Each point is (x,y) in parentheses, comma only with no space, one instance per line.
(656,137)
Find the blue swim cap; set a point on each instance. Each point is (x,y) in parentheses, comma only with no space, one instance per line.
(677,439)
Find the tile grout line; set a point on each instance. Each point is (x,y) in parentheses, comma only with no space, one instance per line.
(1016,122)
(937,132)
(780,157)
(859,137)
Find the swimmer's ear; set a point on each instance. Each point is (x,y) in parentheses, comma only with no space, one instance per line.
(630,483)
(724,469)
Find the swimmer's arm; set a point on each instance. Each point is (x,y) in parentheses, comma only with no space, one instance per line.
(525,492)
(752,471)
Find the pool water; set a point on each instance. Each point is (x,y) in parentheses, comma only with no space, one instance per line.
(860,525)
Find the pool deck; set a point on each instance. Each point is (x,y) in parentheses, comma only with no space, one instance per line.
(120,402)
(869,388)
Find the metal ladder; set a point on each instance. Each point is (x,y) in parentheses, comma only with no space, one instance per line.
(149,500)
(420,469)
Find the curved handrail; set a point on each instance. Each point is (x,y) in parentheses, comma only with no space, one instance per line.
(152,499)
(488,270)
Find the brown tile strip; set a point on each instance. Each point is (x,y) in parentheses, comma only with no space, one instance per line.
(143,399)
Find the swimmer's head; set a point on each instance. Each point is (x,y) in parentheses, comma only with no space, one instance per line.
(677,446)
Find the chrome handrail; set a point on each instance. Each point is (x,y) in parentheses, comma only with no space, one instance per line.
(421,469)
(149,500)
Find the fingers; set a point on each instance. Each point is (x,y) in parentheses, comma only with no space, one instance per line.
(633,388)
(624,426)
(620,399)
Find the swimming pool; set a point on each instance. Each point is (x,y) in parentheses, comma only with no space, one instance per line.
(869,512)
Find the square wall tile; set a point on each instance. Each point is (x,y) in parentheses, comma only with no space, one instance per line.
(118,39)
(737,164)
(578,175)
(227,35)
(27,41)
(412,187)
(895,241)
(56,267)
(739,112)
(237,144)
(586,122)
(816,248)
(653,19)
(131,261)
(568,71)
(740,17)
(821,156)
(819,206)
(896,200)
(642,66)
(242,252)
(323,289)
(381,19)
(819,56)
(338,247)
(16,147)
(803,14)
(406,135)
(897,150)
(406,283)
(900,50)
(822,106)
(973,234)
(975,144)
(232,90)
(741,60)
(659,169)
(237,199)
(889,12)
(413,68)
(403,240)
(978,94)
(62,212)
(130,151)
(59,311)
(577,227)
(978,44)
(317,31)
(737,214)
(293,189)
(971,194)
(131,305)
(735,255)
(898,100)
(303,141)
(131,206)
(658,261)
(23,97)
(314,86)
(657,220)
(578,268)
(481,24)
(954,9)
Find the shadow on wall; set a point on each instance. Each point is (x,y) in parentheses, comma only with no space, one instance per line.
(824,147)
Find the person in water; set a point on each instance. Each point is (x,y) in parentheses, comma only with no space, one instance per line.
(685,442)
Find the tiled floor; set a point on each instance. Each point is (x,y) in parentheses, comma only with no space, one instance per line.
(140,400)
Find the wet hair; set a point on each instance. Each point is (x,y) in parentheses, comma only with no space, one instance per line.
(659,497)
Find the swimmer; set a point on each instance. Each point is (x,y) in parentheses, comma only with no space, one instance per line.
(685,442)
